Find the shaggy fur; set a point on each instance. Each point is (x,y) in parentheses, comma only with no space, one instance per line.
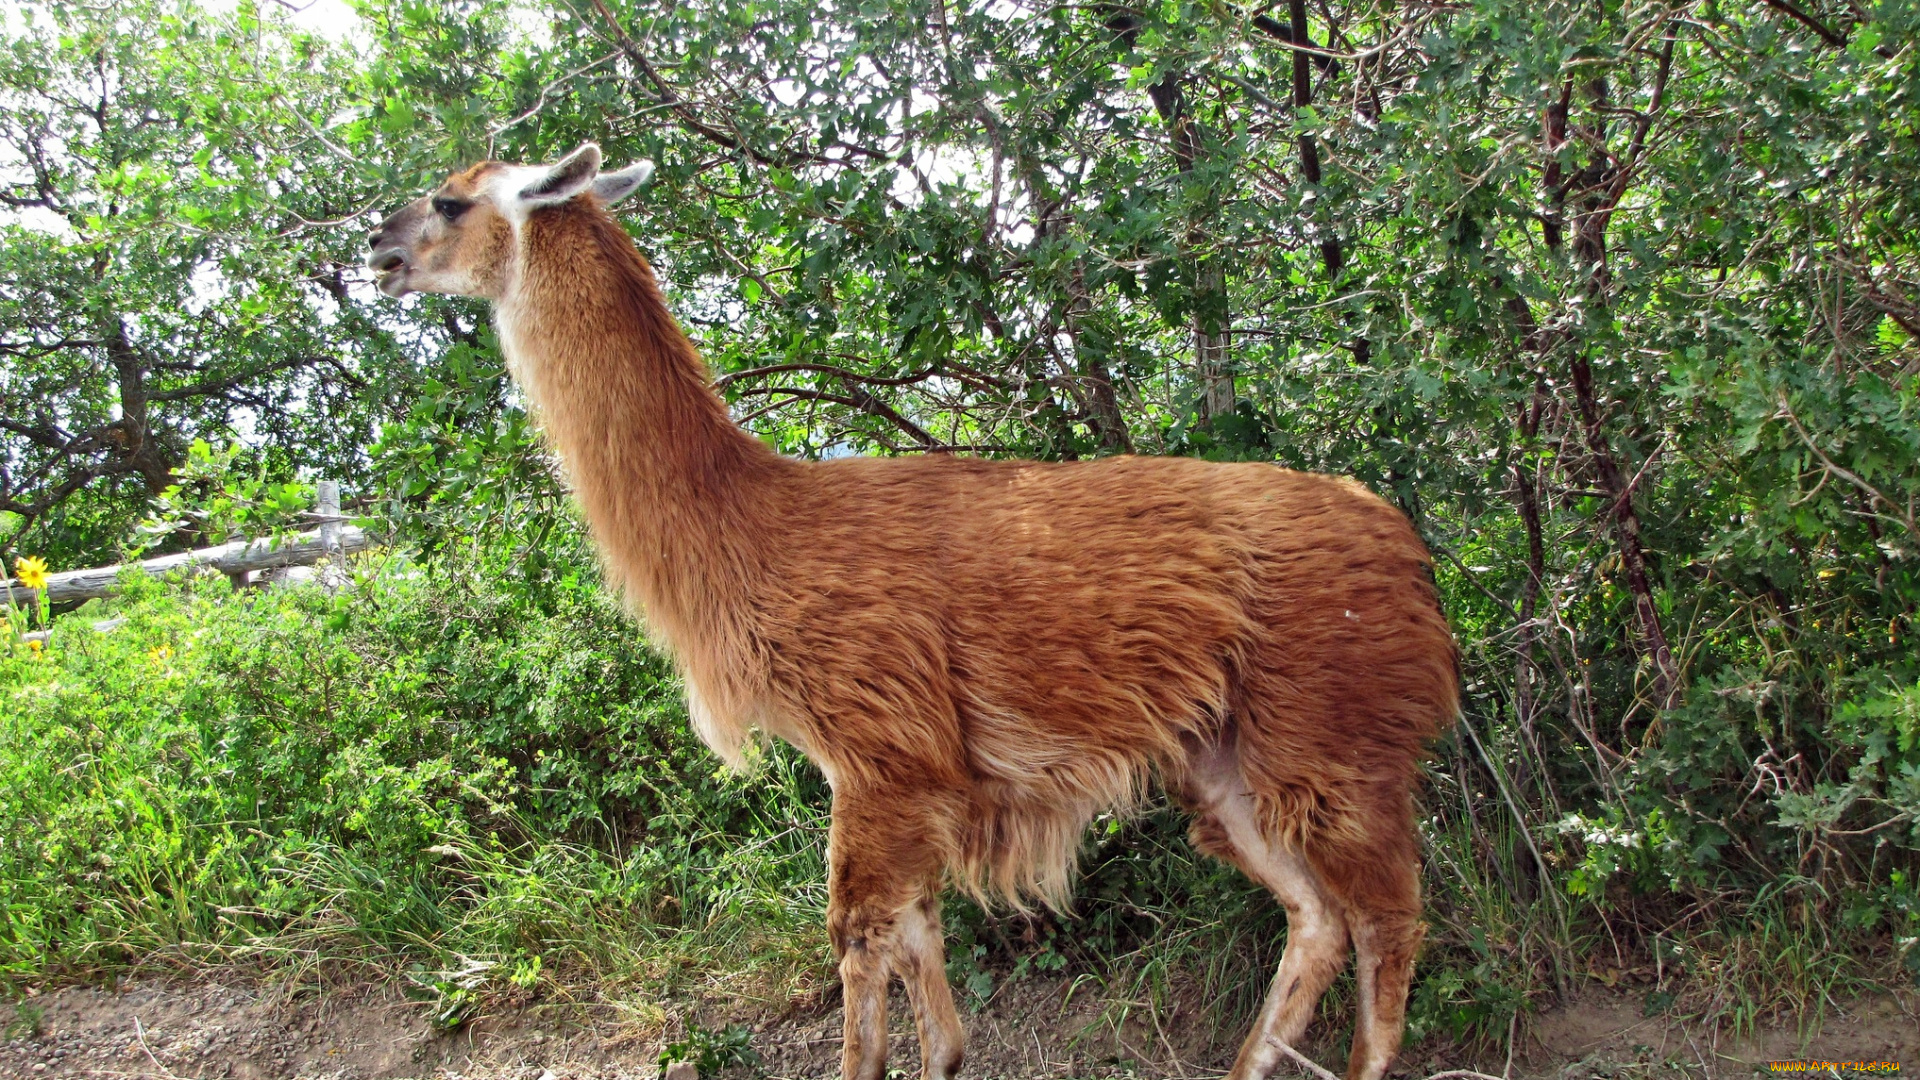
(983,655)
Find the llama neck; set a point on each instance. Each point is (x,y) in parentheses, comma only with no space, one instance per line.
(673,490)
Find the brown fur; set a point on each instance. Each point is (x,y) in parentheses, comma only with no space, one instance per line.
(982,655)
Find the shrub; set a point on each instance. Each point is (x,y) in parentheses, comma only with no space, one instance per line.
(463,762)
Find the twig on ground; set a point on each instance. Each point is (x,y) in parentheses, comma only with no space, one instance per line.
(141,1034)
(1303,1060)
(1323,1073)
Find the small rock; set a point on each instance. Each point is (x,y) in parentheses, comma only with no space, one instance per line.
(681,1070)
(39,1066)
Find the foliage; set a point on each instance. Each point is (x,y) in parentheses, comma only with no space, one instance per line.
(469,765)
(712,1051)
(155,156)
(178,209)
(1619,303)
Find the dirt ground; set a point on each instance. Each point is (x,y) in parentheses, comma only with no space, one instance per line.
(1034,1028)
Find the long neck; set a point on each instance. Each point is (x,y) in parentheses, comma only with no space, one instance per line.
(675,493)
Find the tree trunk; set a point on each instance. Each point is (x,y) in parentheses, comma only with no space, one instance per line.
(1330,254)
(133,434)
(1527,495)
(1210,344)
(1626,530)
(1094,381)
(1599,188)
(1212,361)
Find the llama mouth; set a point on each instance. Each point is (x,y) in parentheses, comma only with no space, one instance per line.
(392,282)
(390,271)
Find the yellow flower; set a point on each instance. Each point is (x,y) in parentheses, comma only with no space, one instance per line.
(32,572)
(161,654)
(34,646)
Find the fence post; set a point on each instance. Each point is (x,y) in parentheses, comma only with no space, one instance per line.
(328,498)
(333,571)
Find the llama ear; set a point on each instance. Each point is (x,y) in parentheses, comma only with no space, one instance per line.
(569,178)
(611,187)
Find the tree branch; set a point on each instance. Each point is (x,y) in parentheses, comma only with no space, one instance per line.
(1326,60)
(211,387)
(859,399)
(1827,35)
(728,379)
(679,106)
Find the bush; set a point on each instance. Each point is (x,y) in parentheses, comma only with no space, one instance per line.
(456,764)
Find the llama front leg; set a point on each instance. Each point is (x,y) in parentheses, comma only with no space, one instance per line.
(857,938)
(923,967)
(881,866)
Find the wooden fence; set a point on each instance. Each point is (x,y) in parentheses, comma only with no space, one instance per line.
(334,538)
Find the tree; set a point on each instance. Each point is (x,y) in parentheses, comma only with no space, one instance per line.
(169,273)
(1612,301)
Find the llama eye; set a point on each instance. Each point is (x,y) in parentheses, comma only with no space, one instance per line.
(451,209)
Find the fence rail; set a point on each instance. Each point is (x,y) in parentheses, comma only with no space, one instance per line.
(236,559)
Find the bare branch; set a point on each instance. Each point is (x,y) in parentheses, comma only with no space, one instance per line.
(728,379)
(857,399)
(1827,35)
(1905,518)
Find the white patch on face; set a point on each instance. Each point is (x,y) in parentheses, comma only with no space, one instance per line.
(504,186)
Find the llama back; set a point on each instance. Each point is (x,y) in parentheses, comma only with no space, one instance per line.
(1043,639)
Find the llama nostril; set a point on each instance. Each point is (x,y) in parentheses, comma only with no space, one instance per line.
(392,260)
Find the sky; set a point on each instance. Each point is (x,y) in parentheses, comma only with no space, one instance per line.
(333,19)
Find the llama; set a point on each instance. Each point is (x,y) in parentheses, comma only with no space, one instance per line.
(980,656)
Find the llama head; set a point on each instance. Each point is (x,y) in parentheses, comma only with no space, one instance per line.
(459,239)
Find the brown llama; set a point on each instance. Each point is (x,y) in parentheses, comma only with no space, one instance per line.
(982,655)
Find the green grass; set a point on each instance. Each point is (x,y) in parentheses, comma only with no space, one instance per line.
(437,771)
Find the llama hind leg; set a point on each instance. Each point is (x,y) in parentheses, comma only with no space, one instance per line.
(1381,885)
(1226,826)
(1384,967)
(880,869)
(1316,952)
